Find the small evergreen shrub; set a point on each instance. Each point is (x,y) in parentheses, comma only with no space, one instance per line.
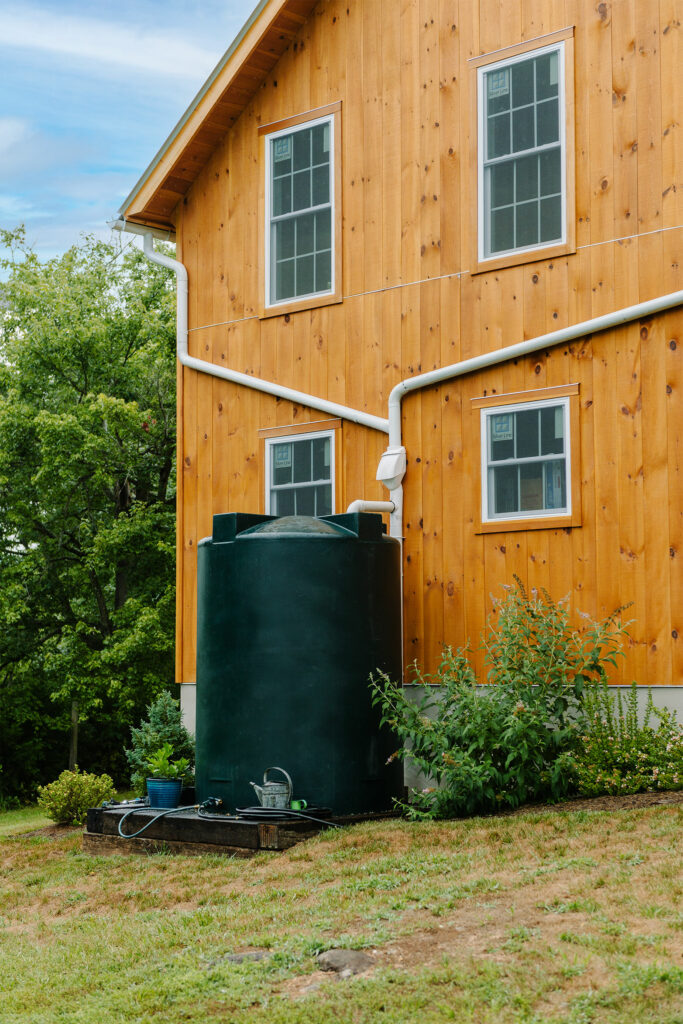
(618,754)
(163,725)
(67,799)
(509,743)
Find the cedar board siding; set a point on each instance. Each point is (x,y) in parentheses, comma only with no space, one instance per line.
(411,303)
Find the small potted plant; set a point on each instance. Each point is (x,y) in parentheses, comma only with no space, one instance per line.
(165,781)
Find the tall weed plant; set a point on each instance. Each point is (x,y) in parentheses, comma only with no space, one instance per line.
(509,743)
(619,753)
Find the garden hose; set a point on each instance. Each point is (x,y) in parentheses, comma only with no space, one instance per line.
(273,813)
(169,810)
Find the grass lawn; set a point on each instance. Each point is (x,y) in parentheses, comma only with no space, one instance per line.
(571,916)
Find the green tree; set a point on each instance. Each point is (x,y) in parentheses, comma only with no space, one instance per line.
(87,499)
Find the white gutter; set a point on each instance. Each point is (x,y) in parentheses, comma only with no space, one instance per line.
(365,419)
(392,465)
(598,323)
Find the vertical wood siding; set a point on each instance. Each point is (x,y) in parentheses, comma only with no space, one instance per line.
(411,303)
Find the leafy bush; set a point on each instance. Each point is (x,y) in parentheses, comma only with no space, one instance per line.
(620,755)
(163,725)
(511,742)
(67,799)
(160,765)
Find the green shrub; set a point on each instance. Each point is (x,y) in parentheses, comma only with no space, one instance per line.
(620,755)
(502,745)
(67,799)
(163,725)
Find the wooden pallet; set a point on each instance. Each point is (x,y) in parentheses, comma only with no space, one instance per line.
(188,833)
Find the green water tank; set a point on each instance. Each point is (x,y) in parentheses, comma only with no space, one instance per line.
(294,613)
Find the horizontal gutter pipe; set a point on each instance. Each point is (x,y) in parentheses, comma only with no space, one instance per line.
(523,348)
(361,505)
(234,376)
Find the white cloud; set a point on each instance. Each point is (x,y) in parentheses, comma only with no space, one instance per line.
(104,42)
(13,131)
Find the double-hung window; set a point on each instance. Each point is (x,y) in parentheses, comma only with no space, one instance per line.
(301,218)
(300,474)
(525,181)
(529,458)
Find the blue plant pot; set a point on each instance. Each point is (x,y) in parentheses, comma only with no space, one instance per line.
(164,792)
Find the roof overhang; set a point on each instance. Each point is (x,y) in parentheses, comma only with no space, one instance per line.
(253,54)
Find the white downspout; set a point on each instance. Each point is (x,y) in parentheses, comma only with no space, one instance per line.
(234,376)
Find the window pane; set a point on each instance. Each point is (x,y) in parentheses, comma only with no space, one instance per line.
(302,461)
(531,487)
(321,143)
(305,501)
(321,186)
(282,196)
(526,178)
(323,500)
(497,91)
(284,239)
(555,484)
(547,122)
(321,458)
(323,272)
(498,136)
(546,76)
(501,436)
(505,489)
(305,271)
(283,502)
(323,230)
(502,178)
(551,219)
(522,129)
(281,463)
(301,194)
(304,234)
(302,149)
(502,230)
(551,173)
(281,150)
(284,280)
(527,225)
(552,430)
(526,423)
(523,83)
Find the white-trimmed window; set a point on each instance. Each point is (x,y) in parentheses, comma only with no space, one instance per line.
(300,218)
(300,474)
(526,460)
(522,171)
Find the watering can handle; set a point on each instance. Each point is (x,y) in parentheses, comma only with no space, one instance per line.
(289,781)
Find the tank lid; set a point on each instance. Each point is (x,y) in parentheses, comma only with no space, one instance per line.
(297,526)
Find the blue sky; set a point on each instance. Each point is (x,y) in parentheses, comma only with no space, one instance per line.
(88,93)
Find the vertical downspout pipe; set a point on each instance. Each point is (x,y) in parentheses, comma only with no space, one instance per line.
(365,419)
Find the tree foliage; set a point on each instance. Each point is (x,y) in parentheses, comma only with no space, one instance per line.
(87,493)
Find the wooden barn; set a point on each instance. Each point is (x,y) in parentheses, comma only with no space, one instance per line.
(443,238)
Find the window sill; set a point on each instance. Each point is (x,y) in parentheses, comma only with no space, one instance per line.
(517,259)
(299,305)
(532,523)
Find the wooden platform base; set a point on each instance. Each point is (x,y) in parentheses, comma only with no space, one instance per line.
(186,832)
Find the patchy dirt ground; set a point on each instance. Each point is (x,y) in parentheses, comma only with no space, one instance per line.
(607,803)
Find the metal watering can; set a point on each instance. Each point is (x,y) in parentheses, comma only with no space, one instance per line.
(274,794)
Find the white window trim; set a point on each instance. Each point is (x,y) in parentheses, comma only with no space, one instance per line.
(525,514)
(288,439)
(559,48)
(291,130)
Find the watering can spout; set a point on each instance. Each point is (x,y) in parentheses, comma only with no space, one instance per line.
(259,792)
